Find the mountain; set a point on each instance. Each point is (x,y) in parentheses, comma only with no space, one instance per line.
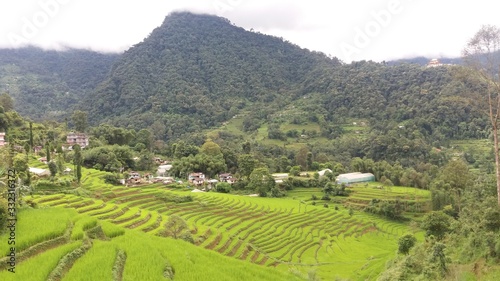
(47,84)
(197,71)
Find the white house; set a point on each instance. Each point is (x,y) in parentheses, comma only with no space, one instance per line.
(39,172)
(323,172)
(163,169)
(77,138)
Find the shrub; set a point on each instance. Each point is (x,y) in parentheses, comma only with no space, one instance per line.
(111,179)
(436,224)
(223,187)
(405,243)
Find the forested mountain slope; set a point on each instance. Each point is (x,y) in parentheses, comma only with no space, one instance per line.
(47,84)
(197,71)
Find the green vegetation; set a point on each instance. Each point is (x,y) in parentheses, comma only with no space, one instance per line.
(269,232)
(281,123)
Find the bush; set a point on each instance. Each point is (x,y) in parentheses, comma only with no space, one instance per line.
(186,236)
(111,179)
(223,187)
(405,243)
(277,192)
(436,224)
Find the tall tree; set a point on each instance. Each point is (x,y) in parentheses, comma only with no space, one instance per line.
(52,169)
(6,102)
(482,55)
(47,150)
(261,181)
(210,148)
(79,119)
(175,227)
(78,162)
(31,136)
(246,164)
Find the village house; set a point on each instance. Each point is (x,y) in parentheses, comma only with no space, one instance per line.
(196,178)
(163,170)
(77,138)
(212,183)
(224,177)
(134,178)
(227,177)
(39,172)
(280,177)
(193,176)
(198,181)
(37,149)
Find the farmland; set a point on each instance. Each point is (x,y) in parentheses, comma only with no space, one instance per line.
(272,238)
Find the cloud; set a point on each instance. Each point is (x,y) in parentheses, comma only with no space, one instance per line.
(424,27)
(262,18)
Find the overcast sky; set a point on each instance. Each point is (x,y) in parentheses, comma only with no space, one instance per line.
(350,30)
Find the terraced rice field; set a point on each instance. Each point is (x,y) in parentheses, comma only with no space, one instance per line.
(413,199)
(107,251)
(272,233)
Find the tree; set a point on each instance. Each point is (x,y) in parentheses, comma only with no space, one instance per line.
(6,102)
(47,151)
(145,137)
(176,227)
(301,157)
(77,160)
(210,148)
(246,164)
(20,163)
(436,224)
(294,171)
(405,243)
(309,160)
(454,178)
(79,119)
(31,136)
(261,181)
(481,55)
(52,168)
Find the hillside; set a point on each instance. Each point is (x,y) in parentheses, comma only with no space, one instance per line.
(196,71)
(47,84)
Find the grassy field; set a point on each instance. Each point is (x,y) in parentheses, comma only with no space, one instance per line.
(285,238)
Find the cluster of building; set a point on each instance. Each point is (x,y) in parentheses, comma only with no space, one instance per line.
(71,139)
(199,179)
